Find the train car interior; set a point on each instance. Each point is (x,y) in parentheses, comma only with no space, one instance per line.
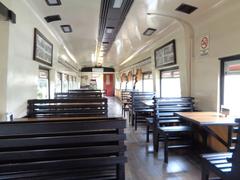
(119,89)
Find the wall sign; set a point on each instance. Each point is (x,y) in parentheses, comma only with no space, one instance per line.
(165,55)
(43,49)
(204,45)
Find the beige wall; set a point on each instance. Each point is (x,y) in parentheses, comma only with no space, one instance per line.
(22,71)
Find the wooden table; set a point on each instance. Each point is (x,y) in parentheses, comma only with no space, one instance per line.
(206,119)
(148,102)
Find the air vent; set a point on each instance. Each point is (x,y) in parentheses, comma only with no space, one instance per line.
(66,28)
(109,26)
(149,31)
(52,18)
(53,2)
(186,8)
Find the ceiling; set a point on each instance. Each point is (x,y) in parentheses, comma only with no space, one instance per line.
(83,16)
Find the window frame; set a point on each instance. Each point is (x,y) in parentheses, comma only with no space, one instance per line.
(163,70)
(145,73)
(223,60)
(48,75)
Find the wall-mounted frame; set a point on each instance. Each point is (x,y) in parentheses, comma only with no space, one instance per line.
(165,55)
(42,48)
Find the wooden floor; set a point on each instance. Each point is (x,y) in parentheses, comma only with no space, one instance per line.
(143,164)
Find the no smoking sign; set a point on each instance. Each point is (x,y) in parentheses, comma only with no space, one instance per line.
(204,45)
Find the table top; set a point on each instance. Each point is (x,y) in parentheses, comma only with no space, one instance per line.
(208,118)
(147,102)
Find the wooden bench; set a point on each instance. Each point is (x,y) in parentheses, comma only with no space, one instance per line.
(74,95)
(224,165)
(138,110)
(91,107)
(167,126)
(63,149)
(125,100)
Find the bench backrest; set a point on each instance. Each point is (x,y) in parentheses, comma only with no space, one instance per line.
(55,145)
(137,99)
(166,107)
(74,95)
(125,95)
(81,107)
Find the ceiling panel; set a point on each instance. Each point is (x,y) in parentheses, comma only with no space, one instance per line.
(83,16)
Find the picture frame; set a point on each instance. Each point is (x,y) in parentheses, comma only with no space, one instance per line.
(165,55)
(42,48)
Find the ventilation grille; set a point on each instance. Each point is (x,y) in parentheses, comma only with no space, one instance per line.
(186,8)
(52,18)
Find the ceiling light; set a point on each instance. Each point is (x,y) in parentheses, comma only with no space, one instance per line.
(109,30)
(52,18)
(66,28)
(117,3)
(149,31)
(53,2)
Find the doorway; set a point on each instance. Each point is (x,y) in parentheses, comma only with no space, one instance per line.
(108,84)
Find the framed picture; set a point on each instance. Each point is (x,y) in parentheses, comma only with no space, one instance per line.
(165,55)
(42,49)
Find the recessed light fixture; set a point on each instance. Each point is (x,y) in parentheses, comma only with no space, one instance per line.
(186,8)
(149,31)
(66,28)
(117,4)
(109,30)
(53,2)
(52,18)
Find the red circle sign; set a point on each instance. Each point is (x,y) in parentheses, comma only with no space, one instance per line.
(204,42)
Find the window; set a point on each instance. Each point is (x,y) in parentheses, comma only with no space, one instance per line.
(124,85)
(170,83)
(59,83)
(147,82)
(70,82)
(65,83)
(43,84)
(230,86)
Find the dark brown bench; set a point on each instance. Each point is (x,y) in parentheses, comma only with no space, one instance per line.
(168,127)
(80,107)
(74,95)
(63,149)
(125,100)
(138,111)
(224,165)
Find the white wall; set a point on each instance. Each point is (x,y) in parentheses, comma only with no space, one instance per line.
(4,35)
(22,71)
(175,31)
(223,29)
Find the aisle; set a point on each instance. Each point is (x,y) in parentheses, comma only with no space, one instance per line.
(144,165)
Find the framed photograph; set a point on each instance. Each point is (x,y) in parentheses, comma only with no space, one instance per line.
(42,49)
(165,55)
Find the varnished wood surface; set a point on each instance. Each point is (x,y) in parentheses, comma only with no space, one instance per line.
(143,164)
(207,118)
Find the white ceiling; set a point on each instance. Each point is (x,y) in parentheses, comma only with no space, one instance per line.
(83,16)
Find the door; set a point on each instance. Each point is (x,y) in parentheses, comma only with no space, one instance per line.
(108,84)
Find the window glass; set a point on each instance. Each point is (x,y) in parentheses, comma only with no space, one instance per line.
(124,85)
(170,83)
(139,86)
(70,82)
(59,82)
(147,82)
(130,85)
(65,83)
(43,84)
(231,87)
